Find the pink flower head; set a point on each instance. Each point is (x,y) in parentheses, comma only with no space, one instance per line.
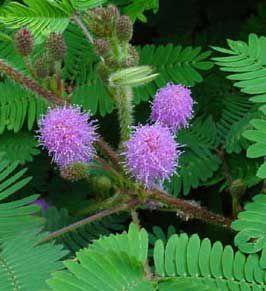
(68,135)
(152,154)
(173,106)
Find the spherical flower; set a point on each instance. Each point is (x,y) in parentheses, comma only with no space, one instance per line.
(152,154)
(68,135)
(173,106)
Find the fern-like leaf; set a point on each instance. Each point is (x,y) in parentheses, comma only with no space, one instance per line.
(86,4)
(174,64)
(15,216)
(19,106)
(135,8)
(258,149)
(40,16)
(247,66)
(80,59)
(25,266)
(115,262)
(198,162)
(215,266)
(21,147)
(93,96)
(251,227)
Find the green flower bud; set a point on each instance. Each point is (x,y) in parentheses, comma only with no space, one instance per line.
(102,185)
(24,42)
(124,28)
(56,46)
(74,172)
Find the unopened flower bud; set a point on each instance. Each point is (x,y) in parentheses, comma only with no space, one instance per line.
(24,41)
(124,28)
(41,67)
(133,57)
(112,12)
(56,46)
(102,47)
(102,184)
(74,172)
(102,20)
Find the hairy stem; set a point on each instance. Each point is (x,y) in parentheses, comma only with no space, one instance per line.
(189,209)
(192,211)
(29,83)
(123,97)
(88,220)
(83,27)
(109,153)
(135,217)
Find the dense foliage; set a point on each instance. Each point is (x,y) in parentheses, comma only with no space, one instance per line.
(132,159)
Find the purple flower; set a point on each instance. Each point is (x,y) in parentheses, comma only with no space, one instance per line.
(173,106)
(42,203)
(152,154)
(68,135)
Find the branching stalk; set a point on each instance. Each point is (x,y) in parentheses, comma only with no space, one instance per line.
(88,220)
(191,210)
(28,83)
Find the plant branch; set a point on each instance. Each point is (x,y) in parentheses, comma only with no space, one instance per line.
(191,210)
(110,153)
(97,216)
(29,83)
(184,206)
(86,32)
(225,167)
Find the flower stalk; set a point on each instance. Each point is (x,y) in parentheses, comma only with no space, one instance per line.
(123,98)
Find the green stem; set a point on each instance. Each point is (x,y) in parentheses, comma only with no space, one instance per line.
(97,216)
(59,83)
(135,217)
(235,206)
(123,97)
(28,65)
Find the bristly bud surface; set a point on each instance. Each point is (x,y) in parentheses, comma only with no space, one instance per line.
(74,172)
(56,46)
(102,47)
(24,42)
(102,21)
(41,67)
(124,28)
